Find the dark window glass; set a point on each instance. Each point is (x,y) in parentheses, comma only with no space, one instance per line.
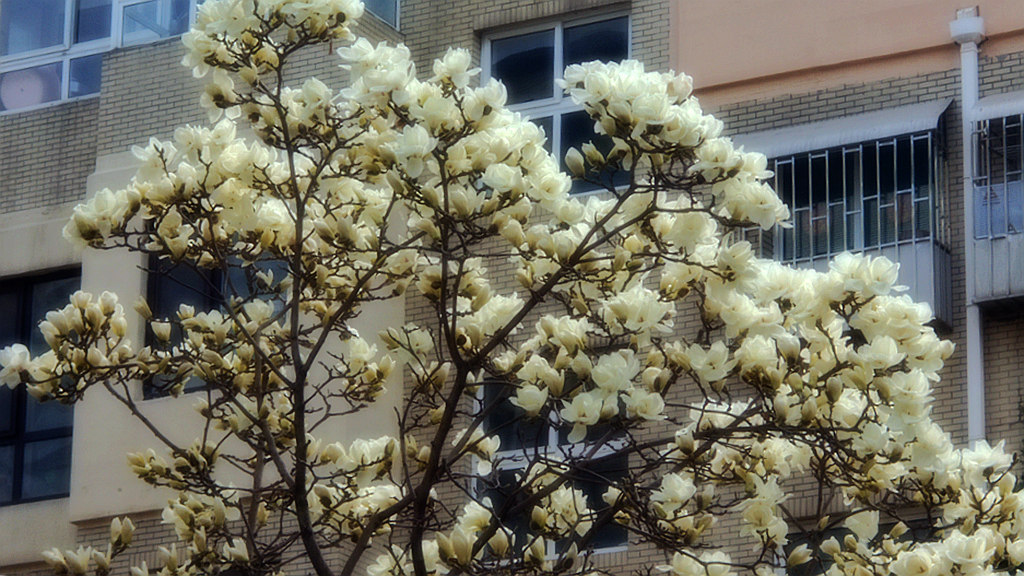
(607,41)
(85,75)
(47,468)
(577,128)
(525,64)
(509,422)
(35,438)
(92,20)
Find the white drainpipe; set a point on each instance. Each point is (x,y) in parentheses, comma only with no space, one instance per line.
(968,30)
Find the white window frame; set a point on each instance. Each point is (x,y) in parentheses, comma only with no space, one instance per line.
(559,103)
(67,51)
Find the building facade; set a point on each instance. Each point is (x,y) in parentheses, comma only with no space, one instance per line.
(894,127)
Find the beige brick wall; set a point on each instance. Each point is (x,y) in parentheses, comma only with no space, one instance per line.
(950,393)
(47,154)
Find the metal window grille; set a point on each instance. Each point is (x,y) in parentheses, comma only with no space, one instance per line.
(858,197)
(998,189)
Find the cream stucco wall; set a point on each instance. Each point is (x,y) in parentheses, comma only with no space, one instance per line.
(37,234)
(744,49)
(105,432)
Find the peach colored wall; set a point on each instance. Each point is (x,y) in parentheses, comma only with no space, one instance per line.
(804,43)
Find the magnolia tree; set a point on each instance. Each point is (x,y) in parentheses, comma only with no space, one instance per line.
(781,378)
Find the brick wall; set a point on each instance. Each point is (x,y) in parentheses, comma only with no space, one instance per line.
(47,155)
(792,109)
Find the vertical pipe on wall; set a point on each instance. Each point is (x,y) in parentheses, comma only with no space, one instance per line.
(968,30)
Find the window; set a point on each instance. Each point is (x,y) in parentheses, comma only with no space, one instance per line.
(51,50)
(522,440)
(171,285)
(998,189)
(386,10)
(35,438)
(528,62)
(857,197)
(150,20)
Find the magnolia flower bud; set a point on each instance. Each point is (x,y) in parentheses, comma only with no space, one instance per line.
(574,162)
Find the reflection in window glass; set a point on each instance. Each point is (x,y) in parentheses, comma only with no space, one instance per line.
(30,86)
(607,41)
(525,64)
(47,469)
(153,20)
(92,20)
(386,10)
(577,128)
(27,25)
(35,438)
(85,75)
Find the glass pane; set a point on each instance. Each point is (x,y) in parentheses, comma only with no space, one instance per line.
(1015,202)
(607,41)
(870,223)
(835,176)
(593,479)
(836,229)
(7,414)
(46,296)
(150,21)
(869,170)
(85,75)
(47,470)
(509,422)
(525,64)
(981,206)
(504,498)
(904,164)
(820,229)
(922,167)
(888,224)
(386,10)
(802,224)
(93,20)
(787,243)
(922,218)
(577,128)
(6,474)
(801,182)
(27,25)
(886,172)
(819,185)
(905,222)
(9,316)
(852,184)
(784,182)
(30,86)
(41,416)
(853,231)
(169,288)
(545,124)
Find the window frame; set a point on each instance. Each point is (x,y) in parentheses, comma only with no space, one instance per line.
(19,437)
(788,246)
(998,194)
(68,50)
(559,104)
